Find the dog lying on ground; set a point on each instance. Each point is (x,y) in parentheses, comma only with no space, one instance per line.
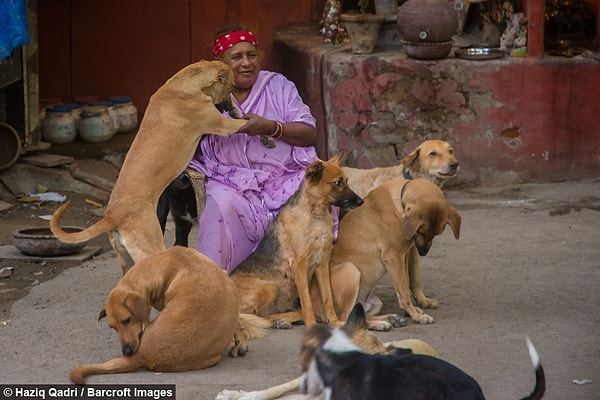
(378,237)
(356,329)
(296,247)
(433,160)
(180,200)
(334,365)
(196,300)
(177,116)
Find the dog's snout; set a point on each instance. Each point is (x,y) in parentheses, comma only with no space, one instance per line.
(129,349)
(349,202)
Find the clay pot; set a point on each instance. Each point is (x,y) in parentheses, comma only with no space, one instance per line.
(426,28)
(427,20)
(363,30)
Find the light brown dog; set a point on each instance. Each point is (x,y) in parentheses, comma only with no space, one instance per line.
(356,329)
(177,116)
(396,217)
(199,316)
(296,247)
(433,160)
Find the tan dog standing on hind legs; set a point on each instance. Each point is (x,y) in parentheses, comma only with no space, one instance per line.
(178,114)
(199,316)
(296,247)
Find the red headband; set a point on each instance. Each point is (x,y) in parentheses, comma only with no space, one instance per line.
(225,42)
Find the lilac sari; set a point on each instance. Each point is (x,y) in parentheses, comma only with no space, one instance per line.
(247,182)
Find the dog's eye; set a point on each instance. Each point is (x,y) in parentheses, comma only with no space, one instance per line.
(433,154)
(339,182)
(126,322)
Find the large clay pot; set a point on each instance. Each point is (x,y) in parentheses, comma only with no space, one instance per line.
(426,28)
(363,30)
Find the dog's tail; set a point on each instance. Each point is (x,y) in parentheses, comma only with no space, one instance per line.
(116,365)
(98,228)
(253,327)
(540,378)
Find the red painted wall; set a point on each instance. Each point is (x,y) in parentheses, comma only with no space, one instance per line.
(132,47)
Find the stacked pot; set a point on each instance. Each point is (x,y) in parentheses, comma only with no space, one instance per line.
(426,28)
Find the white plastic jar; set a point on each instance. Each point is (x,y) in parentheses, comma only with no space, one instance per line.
(110,106)
(128,118)
(59,126)
(75,111)
(96,125)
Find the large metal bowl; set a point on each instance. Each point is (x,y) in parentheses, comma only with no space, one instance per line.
(42,243)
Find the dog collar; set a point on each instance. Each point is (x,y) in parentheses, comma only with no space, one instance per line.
(402,190)
(406,174)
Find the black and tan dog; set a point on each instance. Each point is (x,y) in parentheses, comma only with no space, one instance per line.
(334,365)
(379,238)
(199,316)
(296,247)
(366,341)
(179,113)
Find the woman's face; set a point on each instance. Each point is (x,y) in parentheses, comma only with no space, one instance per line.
(244,59)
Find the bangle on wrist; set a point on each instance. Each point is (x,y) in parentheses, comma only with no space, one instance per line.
(278,130)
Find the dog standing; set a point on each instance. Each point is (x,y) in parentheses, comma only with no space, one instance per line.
(334,365)
(296,247)
(180,200)
(357,330)
(378,237)
(199,316)
(178,114)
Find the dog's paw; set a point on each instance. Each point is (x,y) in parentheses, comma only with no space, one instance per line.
(268,142)
(398,321)
(239,349)
(426,302)
(230,395)
(423,319)
(281,324)
(380,326)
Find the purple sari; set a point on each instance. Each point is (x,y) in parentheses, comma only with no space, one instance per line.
(247,182)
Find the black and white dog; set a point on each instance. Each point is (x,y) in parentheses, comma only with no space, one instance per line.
(178,198)
(332,364)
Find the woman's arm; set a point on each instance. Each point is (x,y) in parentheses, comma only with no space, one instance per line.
(294,133)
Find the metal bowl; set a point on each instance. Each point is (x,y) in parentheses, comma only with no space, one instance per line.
(478,53)
(42,243)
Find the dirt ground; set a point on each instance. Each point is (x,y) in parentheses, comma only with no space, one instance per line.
(527,264)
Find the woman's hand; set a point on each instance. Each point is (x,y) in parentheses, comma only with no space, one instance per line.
(294,133)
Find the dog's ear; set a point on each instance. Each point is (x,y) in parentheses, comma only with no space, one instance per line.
(314,172)
(411,159)
(454,220)
(338,158)
(102,313)
(411,223)
(138,306)
(357,319)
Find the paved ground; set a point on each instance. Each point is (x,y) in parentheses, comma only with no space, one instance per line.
(527,264)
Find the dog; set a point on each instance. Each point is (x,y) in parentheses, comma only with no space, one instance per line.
(195,298)
(296,247)
(378,237)
(180,200)
(433,160)
(356,329)
(332,364)
(179,113)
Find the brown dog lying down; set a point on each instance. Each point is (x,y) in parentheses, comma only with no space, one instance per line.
(178,114)
(433,160)
(196,300)
(376,238)
(356,329)
(296,247)
(334,366)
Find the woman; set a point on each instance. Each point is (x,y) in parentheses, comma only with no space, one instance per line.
(247,182)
